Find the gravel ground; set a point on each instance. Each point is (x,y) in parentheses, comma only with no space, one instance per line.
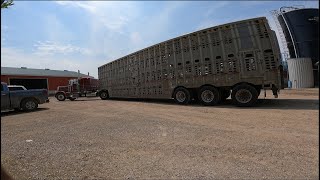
(116,139)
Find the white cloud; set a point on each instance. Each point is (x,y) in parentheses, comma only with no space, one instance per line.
(4,36)
(52,48)
(217,5)
(109,25)
(208,21)
(55,30)
(136,38)
(114,30)
(13,57)
(112,15)
(155,27)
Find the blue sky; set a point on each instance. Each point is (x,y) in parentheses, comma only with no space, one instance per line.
(72,35)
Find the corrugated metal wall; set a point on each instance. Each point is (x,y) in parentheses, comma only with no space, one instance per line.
(300,72)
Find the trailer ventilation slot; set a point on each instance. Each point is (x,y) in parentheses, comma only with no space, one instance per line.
(207,66)
(269,59)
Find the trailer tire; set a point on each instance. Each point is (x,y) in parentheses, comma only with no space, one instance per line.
(182,95)
(29,104)
(244,95)
(209,96)
(61,96)
(104,95)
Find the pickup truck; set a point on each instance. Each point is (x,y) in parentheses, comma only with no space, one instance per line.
(16,88)
(27,100)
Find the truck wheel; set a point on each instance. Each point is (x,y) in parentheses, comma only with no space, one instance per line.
(244,95)
(29,105)
(72,99)
(181,96)
(209,96)
(103,95)
(61,96)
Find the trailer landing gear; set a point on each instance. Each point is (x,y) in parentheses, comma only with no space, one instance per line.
(275,91)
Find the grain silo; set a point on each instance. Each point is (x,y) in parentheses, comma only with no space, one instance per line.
(300,72)
(300,29)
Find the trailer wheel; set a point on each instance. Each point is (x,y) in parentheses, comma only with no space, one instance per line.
(209,95)
(181,96)
(61,96)
(244,95)
(103,95)
(29,104)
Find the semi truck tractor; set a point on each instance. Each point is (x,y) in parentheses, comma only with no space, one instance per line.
(238,59)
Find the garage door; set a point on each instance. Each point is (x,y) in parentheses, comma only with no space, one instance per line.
(30,83)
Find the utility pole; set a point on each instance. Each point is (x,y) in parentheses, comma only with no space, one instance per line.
(78,84)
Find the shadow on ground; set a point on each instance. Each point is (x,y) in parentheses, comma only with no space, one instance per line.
(88,98)
(12,113)
(290,104)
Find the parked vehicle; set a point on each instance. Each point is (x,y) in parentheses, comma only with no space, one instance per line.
(16,88)
(77,88)
(27,100)
(237,59)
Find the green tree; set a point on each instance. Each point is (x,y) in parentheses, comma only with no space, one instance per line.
(6,3)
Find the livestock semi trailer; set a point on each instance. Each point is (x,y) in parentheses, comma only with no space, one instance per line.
(238,59)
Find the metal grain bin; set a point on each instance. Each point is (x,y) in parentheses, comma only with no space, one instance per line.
(301,30)
(300,72)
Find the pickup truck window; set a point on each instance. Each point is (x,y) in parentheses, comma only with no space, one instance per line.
(1,87)
(15,88)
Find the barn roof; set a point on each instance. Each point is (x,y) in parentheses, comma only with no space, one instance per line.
(39,72)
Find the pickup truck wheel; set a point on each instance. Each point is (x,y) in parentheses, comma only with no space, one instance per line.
(181,96)
(29,104)
(103,95)
(209,96)
(244,95)
(60,97)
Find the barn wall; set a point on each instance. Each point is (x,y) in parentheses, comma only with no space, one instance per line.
(53,82)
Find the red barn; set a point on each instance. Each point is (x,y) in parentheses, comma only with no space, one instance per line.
(38,78)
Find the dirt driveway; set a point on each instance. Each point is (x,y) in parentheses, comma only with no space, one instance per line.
(116,139)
